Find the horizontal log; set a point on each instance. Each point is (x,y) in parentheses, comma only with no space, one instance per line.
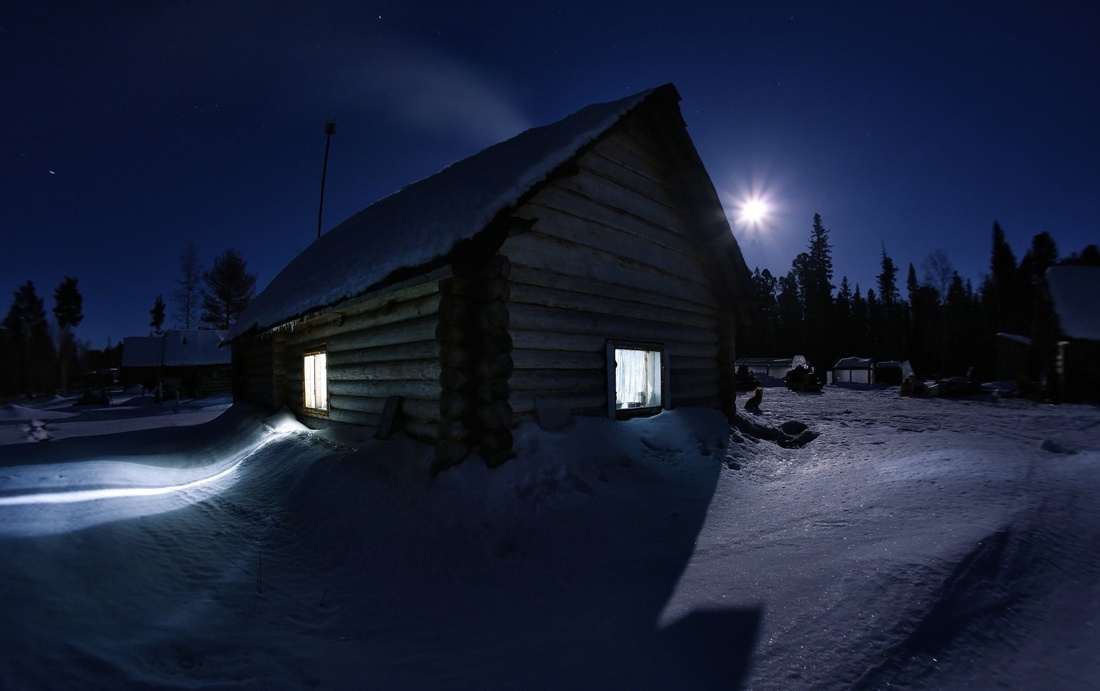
(558,359)
(412,331)
(557,340)
(623,303)
(388,313)
(595,211)
(538,318)
(424,410)
(633,149)
(638,175)
(423,350)
(355,417)
(552,280)
(419,370)
(426,390)
(612,270)
(587,382)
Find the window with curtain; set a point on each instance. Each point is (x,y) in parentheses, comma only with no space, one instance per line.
(637,378)
(315,381)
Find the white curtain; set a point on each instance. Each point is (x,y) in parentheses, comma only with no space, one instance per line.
(637,378)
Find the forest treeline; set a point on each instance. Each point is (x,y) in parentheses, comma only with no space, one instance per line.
(930,315)
(39,354)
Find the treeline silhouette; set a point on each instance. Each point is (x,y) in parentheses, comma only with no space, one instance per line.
(940,322)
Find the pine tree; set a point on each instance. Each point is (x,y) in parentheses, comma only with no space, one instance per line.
(891,333)
(229,289)
(31,345)
(188,295)
(814,272)
(68,310)
(1004,276)
(157,315)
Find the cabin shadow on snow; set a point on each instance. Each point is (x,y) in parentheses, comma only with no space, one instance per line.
(553,569)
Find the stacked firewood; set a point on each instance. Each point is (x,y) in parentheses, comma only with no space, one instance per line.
(475,352)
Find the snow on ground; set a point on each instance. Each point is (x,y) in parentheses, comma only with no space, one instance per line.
(916,543)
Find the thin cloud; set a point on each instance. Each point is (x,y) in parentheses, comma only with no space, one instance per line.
(428,90)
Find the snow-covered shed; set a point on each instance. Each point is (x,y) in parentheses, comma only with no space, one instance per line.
(583,267)
(1075,293)
(773,367)
(191,360)
(854,370)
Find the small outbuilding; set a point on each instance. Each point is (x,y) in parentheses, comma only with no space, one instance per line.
(854,370)
(1075,293)
(185,361)
(581,268)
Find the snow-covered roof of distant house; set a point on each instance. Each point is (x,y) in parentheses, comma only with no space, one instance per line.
(853,363)
(1075,291)
(1015,338)
(142,351)
(425,220)
(176,348)
(195,348)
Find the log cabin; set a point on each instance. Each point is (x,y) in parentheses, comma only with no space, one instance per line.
(581,268)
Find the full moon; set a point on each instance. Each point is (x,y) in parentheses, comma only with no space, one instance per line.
(753,211)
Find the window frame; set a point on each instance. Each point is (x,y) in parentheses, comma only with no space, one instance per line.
(310,410)
(617,413)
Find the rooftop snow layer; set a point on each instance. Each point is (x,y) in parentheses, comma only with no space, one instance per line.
(424,221)
(190,348)
(1075,291)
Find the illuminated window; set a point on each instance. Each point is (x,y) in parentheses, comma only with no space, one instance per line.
(639,382)
(315,381)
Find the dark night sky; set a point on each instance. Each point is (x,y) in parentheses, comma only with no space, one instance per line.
(131,128)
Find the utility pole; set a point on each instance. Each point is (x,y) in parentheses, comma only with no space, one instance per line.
(330,129)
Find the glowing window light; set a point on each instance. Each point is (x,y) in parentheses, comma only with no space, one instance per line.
(315,381)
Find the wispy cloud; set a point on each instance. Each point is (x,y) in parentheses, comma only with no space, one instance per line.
(424,88)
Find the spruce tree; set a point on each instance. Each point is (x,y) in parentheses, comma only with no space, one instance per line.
(157,315)
(814,272)
(68,310)
(229,289)
(31,345)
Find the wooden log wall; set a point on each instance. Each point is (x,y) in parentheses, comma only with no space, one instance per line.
(382,347)
(259,371)
(476,362)
(611,257)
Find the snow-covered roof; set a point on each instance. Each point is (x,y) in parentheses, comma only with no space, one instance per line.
(195,348)
(1015,338)
(176,348)
(1075,291)
(853,363)
(425,220)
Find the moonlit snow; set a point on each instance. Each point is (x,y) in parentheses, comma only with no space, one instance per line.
(915,543)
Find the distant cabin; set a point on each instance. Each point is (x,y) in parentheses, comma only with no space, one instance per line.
(1075,293)
(581,268)
(191,363)
(854,370)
